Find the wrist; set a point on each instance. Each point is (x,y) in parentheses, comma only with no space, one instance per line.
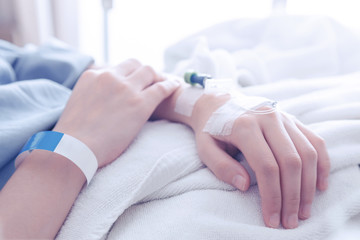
(204,107)
(166,110)
(58,167)
(202,110)
(40,193)
(83,136)
(71,148)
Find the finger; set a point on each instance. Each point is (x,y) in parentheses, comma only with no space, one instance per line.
(127,67)
(308,157)
(225,168)
(159,91)
(323,161)
(252,144)
(160,77)
(142,77)
(289,163)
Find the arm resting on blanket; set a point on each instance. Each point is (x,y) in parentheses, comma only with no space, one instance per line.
(289,160)
(106,110)
(38,197)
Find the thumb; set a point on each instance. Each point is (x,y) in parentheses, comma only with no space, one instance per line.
(225,168)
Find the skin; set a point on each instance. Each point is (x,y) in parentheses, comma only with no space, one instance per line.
(289,160)
(127,95)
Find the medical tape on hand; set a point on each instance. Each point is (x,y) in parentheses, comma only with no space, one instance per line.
(65,145)
(191,94)
(187,99)
(222,120)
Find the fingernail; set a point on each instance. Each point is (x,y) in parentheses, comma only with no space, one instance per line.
(292,221)
(274,220)
(306,211)
(239,182)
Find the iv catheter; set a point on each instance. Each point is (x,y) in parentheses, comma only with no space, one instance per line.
(193,78)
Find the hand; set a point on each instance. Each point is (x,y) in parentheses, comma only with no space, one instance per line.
(105,111)
(109,106)
(289,160)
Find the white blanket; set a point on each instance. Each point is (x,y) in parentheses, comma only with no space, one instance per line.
(159,189)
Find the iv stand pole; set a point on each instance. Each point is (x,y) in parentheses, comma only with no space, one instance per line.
(279,6)
(107,5)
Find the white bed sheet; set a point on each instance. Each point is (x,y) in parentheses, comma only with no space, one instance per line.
(159,189)
(350,230)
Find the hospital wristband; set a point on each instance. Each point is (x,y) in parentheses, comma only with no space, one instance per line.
(65,145)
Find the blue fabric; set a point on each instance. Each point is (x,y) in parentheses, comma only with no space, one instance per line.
(35,84)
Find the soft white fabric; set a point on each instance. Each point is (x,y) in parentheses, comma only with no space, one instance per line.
(267,50)
(158,189)
(168,194)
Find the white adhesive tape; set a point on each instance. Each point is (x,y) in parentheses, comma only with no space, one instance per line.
(187,99)
(222,120)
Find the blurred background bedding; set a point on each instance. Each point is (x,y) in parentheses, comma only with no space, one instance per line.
(305,54)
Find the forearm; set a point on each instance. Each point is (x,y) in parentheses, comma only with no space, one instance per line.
(166,110)
(38,197)
(106,110)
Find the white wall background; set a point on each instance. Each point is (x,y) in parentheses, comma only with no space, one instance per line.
(144,28)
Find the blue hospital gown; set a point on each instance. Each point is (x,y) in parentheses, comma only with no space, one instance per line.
(35,84)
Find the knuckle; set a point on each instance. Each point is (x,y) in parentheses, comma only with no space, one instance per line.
(268,109)
(320,142)
(87,75)
(90,73)
(136,100)
(270,170)
(273,116)
(244,127)
(149,70)
(287,117)
(134,62)
(288,121)
(293,162)
(292,201)
(162,90)
(246,122)
(273,202)
(109,81)
(221,169)
(311,156)
(106,77)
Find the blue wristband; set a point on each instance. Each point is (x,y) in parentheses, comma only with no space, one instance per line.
(65,145)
